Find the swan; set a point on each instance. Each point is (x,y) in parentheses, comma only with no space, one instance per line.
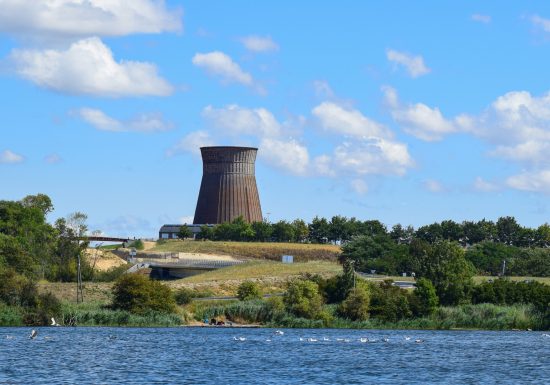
(363,340)
(54,323)
(33,335)
(279,332)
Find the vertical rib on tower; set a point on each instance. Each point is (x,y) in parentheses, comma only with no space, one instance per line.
(228,187)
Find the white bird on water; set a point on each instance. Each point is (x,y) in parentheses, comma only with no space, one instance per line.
(239,338)
(312,340)
(279,332)
(54,323)
(407,338)
(326,339)
(33,335)
(419,340)
(363,340)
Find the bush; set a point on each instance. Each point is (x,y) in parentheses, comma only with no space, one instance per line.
(302,299)
(184,296)
(137,294)
(425,299)
(248,290)
(356,306)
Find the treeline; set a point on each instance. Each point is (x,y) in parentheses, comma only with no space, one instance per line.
(340,229)
(36,249)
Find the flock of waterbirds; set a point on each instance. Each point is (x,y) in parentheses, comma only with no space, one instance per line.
(34,334)
(327,339)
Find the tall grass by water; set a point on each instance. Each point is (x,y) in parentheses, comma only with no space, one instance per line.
(480,316)
(96,314)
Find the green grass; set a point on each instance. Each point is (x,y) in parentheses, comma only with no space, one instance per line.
(260,250)
(546,280)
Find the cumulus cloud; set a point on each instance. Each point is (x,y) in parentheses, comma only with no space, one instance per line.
(418,119)
(541,23)
(81,18)
(340,120)
(485,19)
(10,157)
(414,65)
(536,181)
(88,67)
(221,65)
(236,120)
(367,156)
(259,43)
(481,184)
(288,155)
(191,143)
(139,123)
(516,125)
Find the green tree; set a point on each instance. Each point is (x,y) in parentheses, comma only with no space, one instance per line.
(206,232)
(445,265)
(302,299)
(319,230)
(426,297)
(283,232)
(356,306)
(262,231)
(138,294)
(248,290)
(185,232)
(301,230)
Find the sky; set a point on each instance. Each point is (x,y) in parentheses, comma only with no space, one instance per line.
(405,112)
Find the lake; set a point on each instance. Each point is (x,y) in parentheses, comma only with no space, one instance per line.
(259,356)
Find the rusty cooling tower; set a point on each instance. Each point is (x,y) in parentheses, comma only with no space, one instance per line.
(228,186)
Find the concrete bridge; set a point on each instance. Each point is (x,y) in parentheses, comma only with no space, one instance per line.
(180,268)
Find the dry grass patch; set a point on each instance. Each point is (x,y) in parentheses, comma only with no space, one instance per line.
(66,291)
(261,250)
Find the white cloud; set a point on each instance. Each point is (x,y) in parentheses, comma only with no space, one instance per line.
(486,19)
(288,155)
(482,185)
(413,64)
(541,22)
(191,143)
(259,43)
(53,159)
(10,157)
(536,181)
(323,89)
(219,64)
(88,67)
(236,120)
(337,119)
(372,156)
(359,186)
(140,123)
(81,18)
(434,186)
(418,119)
(187,219)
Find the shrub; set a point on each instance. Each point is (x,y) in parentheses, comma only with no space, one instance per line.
(248,290)
(302,299)
(356,306)
(137,294)
(184,296)
(425,298)
(111,274)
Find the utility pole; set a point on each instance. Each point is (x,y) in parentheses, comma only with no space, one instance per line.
(79,291)
(503,267)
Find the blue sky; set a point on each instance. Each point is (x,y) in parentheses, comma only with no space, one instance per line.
(399,111)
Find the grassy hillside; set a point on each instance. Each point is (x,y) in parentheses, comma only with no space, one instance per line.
(261,250)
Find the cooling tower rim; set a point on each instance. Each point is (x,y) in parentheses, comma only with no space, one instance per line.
(229,147)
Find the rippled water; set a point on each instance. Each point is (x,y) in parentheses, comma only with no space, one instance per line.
(213,356)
